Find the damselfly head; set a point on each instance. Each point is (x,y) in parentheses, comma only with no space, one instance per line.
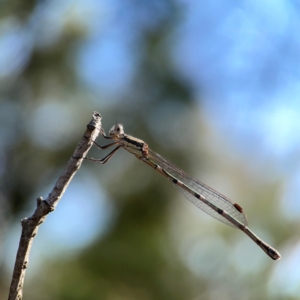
(116,130)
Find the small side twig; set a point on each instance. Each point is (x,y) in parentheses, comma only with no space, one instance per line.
(44,207)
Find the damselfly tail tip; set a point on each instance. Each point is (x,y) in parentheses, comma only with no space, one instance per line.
(275,254)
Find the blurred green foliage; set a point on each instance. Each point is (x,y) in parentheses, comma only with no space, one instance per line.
(137,258)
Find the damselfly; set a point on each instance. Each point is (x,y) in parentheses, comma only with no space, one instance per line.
(204,197)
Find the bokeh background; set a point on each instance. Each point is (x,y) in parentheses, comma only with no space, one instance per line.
(214,86)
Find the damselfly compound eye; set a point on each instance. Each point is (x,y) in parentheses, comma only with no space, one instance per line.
(119,129)
(116,130)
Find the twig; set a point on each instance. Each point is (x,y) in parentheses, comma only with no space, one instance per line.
(44,207)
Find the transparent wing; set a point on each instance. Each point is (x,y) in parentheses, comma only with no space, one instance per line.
(197,186)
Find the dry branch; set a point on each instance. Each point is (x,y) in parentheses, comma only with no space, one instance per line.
(44,207)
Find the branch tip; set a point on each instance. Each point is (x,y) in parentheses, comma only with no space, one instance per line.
(95,120)
(96,114)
